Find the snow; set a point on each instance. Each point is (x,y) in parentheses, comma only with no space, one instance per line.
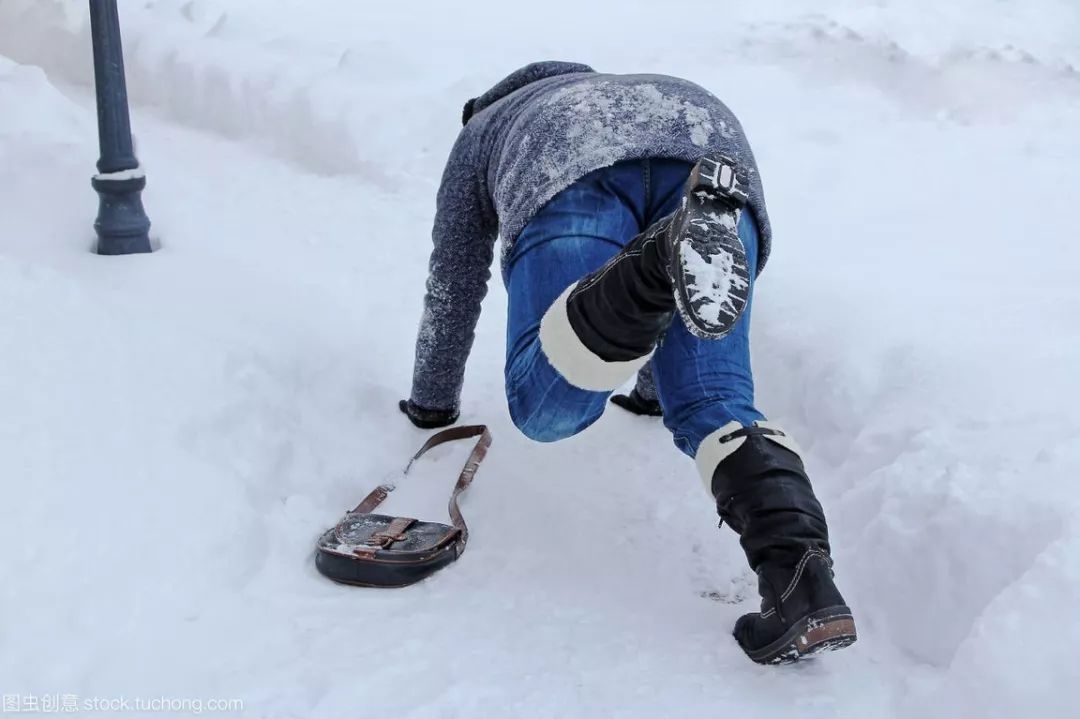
(176,430)
(133,174)
(715,279)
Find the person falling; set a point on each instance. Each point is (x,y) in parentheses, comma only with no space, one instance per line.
(623,202)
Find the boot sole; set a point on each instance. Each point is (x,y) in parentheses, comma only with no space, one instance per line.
(711,273)
(825,630)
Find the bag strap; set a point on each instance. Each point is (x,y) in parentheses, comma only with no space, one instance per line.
(380,493)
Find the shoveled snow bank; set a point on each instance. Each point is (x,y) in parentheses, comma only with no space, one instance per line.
(175,430)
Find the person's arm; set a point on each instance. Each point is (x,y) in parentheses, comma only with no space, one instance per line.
(464,238)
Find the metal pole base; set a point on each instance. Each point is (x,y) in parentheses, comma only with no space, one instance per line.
(122,225)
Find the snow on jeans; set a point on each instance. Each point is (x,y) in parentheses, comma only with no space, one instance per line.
(702,384)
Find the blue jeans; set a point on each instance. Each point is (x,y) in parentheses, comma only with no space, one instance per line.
(702,384)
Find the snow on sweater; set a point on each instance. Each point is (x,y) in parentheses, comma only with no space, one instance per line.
(531,136)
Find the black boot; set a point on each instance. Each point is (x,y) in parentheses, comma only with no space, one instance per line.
(691,260)
(708,264)
(602,330)
(620,310)
(802,613)
(763,493)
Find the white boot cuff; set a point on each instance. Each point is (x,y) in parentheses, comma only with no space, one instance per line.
(712,451)
(573,360)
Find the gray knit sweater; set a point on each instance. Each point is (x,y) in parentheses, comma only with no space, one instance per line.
(534,134)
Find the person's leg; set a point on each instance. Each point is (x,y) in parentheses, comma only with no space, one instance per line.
(702,384)
(572,236)
(706,384)
(603,327)
(754,471)
(706,390)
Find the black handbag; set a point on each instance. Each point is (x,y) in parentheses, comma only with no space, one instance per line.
(377,550)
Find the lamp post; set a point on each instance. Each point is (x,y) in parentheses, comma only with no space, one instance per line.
(122,225)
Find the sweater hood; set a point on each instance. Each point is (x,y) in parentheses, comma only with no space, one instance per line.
(519,79)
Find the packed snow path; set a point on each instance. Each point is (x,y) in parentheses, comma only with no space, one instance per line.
(176,429)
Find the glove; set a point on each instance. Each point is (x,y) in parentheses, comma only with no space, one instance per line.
(637,404)
(427,418)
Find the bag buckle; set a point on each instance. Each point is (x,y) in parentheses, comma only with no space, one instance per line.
(393,533)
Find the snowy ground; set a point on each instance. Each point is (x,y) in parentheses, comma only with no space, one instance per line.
(176,429)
